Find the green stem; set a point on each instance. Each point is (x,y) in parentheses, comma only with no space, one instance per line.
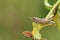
(49,14)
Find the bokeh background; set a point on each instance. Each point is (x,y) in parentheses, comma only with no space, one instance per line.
(15,18)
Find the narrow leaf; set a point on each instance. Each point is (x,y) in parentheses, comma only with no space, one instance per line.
(47,5)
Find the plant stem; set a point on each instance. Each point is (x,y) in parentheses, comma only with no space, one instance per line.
(52,10)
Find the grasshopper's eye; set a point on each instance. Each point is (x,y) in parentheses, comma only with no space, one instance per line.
(36,19)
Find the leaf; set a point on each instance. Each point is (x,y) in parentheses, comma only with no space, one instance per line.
(56,19)
(27,34)
(47,5)
(37,35)
(53,9)
(35,31)
(37,28)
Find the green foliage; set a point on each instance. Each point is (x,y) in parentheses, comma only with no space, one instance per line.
(52,18)
(37,24)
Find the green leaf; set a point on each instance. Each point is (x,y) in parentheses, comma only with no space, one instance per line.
(37,27)
(57,20)
(37,35)
(47,5)
(35,31)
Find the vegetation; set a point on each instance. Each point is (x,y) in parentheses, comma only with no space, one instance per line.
(51,19)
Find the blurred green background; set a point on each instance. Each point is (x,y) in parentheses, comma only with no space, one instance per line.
(15,18)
